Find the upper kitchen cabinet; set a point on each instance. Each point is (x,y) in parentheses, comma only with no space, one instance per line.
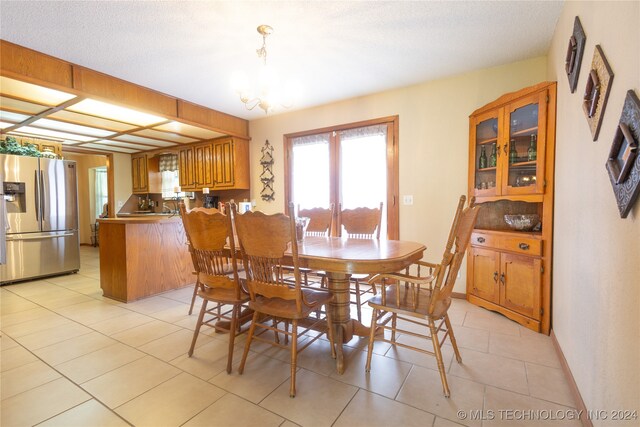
(221,164)
(145,174)
(231,164)
(508,145)
(511,170)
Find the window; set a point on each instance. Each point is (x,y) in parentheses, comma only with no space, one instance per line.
(352,165)
(101,192)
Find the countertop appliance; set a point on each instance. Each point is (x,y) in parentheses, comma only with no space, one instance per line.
(40,208)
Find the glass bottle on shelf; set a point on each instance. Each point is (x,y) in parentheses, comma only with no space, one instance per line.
(482,162)
(532,152)
(513,154)
(493,158)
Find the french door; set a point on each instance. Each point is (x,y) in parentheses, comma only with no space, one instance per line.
(350,165)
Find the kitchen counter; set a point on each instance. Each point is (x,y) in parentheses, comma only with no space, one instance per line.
(142,256)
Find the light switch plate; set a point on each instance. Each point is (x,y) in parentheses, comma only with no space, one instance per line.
(407,200)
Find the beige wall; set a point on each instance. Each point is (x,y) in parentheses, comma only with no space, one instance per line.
(85,218)
(596,279)
(122,178)
(434,139)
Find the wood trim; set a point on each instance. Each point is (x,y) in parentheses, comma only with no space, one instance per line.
(343,126)
(111,192)
(458,295)
(38,68)
(575,391)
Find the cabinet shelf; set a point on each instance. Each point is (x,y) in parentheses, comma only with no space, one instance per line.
(529,164)
(487,169)
(525,131)
(488,141)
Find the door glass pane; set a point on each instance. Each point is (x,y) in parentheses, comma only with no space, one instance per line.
(486,154)
(523,141)
(363,169)
(310,171)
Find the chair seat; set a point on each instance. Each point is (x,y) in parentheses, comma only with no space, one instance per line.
(407,305)
(287,309)
(223,295)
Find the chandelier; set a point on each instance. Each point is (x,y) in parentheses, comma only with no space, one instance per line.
(267,92)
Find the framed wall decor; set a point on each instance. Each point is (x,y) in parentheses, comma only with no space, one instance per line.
(623,163)
(575,50)
(597,91)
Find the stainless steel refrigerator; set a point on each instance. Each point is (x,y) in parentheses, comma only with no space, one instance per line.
(39,210)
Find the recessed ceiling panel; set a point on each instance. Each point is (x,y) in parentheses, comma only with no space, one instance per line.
(148,141)
(189,130)
(109,148)
(68,127)
(111,142)
(83,119)
(47,133)
(13,117)
(4,125)
(21,106)
(165,135)
(34,93)
(114,112)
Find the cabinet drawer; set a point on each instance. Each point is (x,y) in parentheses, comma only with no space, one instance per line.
(512,243)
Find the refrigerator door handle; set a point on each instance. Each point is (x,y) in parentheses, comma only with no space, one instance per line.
(51,236)
(42,196)
(36,187)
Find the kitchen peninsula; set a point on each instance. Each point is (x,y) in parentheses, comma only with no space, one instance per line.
(143,256)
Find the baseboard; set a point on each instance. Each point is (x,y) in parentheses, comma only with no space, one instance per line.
(459,295)
(580,406)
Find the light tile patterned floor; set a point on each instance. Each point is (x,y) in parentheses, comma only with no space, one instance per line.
(73,358)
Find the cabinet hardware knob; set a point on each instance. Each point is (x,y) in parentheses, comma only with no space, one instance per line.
(523,246)
(480,239)
(505,149)
(495,276)
(502,279)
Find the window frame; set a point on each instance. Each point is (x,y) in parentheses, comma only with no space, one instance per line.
(393,185)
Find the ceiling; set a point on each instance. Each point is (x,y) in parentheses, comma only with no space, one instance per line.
(333,49)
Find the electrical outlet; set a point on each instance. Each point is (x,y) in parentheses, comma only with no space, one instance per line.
(407,200)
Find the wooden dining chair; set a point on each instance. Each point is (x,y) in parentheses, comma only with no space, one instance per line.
(264,240)
(360,223)
(196,287)
(212,246)
(424,299)
(320,220)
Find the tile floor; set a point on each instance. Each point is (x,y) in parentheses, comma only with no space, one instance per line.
(73,358)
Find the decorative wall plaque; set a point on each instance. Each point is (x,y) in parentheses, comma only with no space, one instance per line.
(623,163)
(266,177)
(574,54)
(597,91)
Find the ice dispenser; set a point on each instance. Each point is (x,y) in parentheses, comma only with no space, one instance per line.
(14,194)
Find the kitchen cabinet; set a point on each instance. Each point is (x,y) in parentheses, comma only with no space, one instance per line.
(231,163)
(511,170)
(221,164)
(186,168)
(145,174)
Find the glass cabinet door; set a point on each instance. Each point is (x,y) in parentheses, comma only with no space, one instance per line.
(524,150)
(486,147)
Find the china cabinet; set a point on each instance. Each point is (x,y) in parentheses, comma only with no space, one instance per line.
(511,169)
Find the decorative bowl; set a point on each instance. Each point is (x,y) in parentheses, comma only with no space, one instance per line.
(524,222)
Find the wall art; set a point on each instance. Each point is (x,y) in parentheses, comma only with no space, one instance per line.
(266,177)
(573,60)
(597,91)
(623,163)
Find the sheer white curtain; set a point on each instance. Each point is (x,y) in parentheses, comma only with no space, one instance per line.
(310,171)
(101,190)
(363,169)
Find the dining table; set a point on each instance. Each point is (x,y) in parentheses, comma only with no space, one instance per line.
(339,258)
